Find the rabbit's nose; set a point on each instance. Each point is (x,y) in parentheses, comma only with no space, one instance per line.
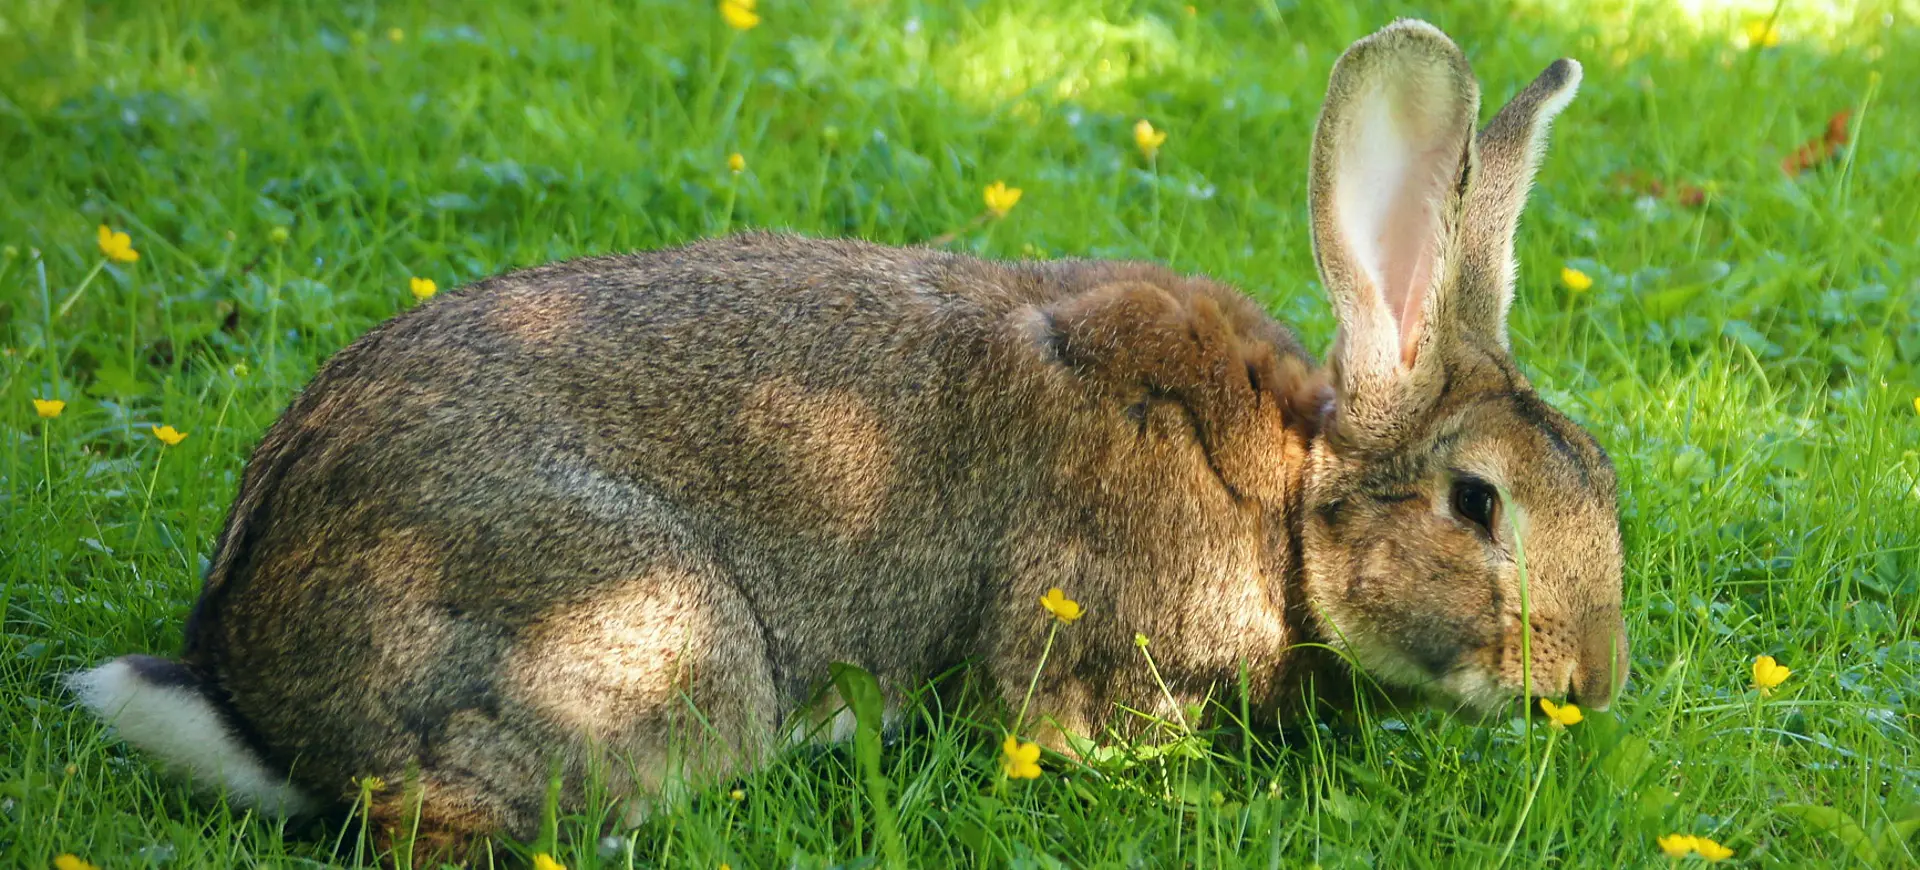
(1602,669)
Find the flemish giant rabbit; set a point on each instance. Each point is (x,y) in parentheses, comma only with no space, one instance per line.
(536,525)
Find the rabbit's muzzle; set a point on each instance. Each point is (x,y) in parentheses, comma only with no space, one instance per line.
(1484,675)
(1580,659)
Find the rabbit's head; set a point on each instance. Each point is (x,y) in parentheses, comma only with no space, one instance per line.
(1448,509)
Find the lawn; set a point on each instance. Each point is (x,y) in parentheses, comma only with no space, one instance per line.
(1747,350)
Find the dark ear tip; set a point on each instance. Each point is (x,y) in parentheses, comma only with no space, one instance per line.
(1562,74)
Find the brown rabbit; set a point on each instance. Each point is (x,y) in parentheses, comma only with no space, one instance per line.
(614,517)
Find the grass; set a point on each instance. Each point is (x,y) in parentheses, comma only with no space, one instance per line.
(1751,361)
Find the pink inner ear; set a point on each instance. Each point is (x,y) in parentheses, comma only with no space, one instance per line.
(1392,183)
(1415,232)
(1407,243)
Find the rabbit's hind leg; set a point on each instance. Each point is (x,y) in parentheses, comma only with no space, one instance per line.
(642,676)
(657,684)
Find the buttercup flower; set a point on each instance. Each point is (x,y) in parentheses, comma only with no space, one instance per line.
(71,861)
(1148,138)
(544,861)
(372,784)
(1561,716)
(48,408)
(1761,33)
(1711,850)
(1020,760)
(1916,404)
(169,435)
(1001,198)
(423,288)
(1140,640)
(1682,845)
(1676,845)
(1768,673)
(736,162)
(117,246)
(278,235)
(736,795)
(1063,608)
(1576,280)
(739,14)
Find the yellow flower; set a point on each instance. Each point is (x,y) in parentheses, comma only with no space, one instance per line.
(1676,845)
(168,435)
(117,246)
(1916,404)
(1140,640)
(396,35)
(48,408)
(371,784)
(1001,198)
(739,14)
(1063,608)
(1561,716)
(1768,673)
(1020,760)
(1711,850)
(1761,32)
(736,795)
(1148,138)
(71,861)
(736,162)
(1576,280)
(544,861)
(423,288)
(278,235)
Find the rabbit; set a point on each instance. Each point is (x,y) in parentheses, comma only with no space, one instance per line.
(610,520)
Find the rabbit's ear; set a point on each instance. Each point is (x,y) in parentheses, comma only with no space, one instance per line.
(1507,153)
(1390,162)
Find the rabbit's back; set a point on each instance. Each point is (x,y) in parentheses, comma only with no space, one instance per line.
(789,396)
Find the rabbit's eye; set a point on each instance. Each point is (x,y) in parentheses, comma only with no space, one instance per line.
(1475,500)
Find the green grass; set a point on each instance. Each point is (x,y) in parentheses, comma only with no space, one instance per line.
(1750,362)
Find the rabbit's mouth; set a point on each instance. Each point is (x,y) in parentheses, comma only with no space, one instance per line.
(1467,686)
(1474,695)
(1479,694)
(1461,687)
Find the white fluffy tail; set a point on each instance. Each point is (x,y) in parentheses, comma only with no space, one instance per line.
(161,706)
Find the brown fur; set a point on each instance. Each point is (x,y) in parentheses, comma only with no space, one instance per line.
(615,517)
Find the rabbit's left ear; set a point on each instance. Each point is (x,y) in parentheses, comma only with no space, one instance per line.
(1390,164)
(1508,152)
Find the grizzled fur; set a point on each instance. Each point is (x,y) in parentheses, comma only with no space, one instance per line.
(614,517)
